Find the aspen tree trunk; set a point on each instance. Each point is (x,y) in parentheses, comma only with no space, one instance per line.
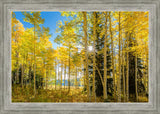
(65,76)
(17,56)
(119,77)
(17,72)
(69,69)
(81,72)
(22,71)
(49,74)
(127,77)
(26,68)
(34,69)
(30,70)
(22,74)
(55,74)
(46,79)
(124,81)
(84,74)
(112,56)
(58,74)
(61,78)
(61,73)
(45,75)
(105,60)
(86,50)
(136,77)
(94,53)
(76,78)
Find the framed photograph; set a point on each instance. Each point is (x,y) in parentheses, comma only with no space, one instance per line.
(80,56)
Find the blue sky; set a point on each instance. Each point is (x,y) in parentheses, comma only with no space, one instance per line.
(51,18)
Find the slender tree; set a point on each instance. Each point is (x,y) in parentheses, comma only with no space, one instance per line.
(123,73)
(55,74)
(119,79)
(105,59)
(86,50)
(136,77)
(127,77)
(112,45)
(94,53)
(65,68)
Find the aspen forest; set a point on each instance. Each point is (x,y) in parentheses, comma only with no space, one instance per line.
(84,56)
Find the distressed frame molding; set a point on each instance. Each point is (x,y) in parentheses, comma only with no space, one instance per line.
(6,6)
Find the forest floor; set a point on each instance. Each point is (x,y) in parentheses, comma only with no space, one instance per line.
(55,95)
(50,95)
